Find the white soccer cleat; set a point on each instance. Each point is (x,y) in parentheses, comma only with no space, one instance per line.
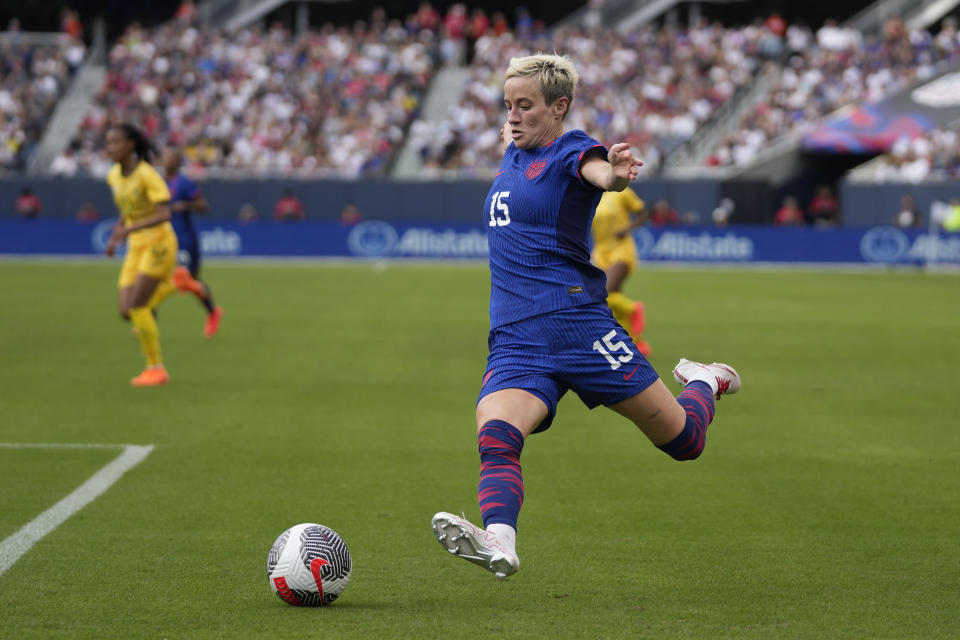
(722,378)
(464,539)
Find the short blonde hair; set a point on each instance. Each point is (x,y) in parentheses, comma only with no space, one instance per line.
(555,75)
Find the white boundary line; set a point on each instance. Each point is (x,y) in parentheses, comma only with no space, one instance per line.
(13,547)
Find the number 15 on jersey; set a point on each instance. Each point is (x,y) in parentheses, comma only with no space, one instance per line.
(499,212)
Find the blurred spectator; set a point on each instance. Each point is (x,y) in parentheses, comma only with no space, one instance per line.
(65,164)
(350,215)
(289,208)
(907,217)
(934,155)
(247,214)
(776,25)
(426,18)
(87,213)
(663,214)
(723,212)
(70,23)
(186,13)
(28,205)
(498,24)
(823,210)
(789,214)
(479,24)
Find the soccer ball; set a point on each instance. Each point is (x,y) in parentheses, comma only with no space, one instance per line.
(309,565)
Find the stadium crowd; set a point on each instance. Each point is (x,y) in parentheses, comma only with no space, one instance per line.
(652,87)
(330,102)
(833,67)
(932,156)
(33,77)
(340,101)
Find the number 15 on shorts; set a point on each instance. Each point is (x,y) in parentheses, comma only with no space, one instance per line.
(608,349)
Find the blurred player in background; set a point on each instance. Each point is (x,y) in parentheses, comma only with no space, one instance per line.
(185,199)
(143,199)
(615,251)
(550,328)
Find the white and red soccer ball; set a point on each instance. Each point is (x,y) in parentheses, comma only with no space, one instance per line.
(309,565)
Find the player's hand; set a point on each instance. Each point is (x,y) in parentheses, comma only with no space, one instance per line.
(119,232)
(622,162)
(117,235)
(506,134)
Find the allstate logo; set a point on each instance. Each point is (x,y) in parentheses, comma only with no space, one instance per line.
(883,244)
(100,235)
(645,241)
(372,238)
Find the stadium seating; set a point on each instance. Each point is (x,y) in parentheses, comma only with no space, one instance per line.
(34,73)
(651,88)
(832,68)
(333,102)
(934,156)
(340,102)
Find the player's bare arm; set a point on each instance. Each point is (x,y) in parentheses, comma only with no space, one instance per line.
(614,172)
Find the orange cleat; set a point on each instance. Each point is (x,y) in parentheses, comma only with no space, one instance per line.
(151,377)
(183,281)
(638,319)
(213,322)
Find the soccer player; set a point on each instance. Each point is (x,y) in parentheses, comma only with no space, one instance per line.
(185,198)
(615,251)
(550,329)
(143,200)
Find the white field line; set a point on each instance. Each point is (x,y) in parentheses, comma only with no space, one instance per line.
(13,547)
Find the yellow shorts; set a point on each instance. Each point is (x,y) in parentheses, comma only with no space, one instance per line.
(157,259)
(609,254)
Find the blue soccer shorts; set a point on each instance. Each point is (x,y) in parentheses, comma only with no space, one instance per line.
(583,349)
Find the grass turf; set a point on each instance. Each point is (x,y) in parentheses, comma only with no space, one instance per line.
(825,504)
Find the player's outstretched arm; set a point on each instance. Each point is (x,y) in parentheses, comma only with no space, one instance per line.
(613,173)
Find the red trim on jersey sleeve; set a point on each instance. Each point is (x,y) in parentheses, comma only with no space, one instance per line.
(580,158)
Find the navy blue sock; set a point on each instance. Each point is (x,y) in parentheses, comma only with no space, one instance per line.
(697,401)
(500,491)
(207,301)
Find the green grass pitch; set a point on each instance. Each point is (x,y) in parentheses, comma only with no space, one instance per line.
(825,504)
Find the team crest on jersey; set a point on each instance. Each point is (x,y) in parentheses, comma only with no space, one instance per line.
(535,169)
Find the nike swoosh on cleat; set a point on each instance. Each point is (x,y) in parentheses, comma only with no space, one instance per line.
(627,376)
(499,172)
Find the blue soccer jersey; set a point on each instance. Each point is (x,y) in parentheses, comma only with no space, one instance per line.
(183,189)
(538,212)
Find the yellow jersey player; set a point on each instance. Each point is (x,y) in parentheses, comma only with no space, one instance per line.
(615,251)
(143,199)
